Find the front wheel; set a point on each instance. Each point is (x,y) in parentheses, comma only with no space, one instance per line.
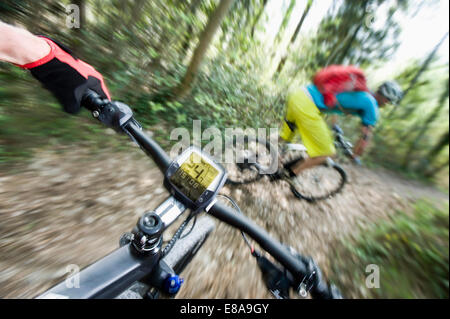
(318,183)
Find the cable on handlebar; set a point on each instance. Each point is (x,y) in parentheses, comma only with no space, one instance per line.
(176,236)
(275,278)
(238,209)
(192,228)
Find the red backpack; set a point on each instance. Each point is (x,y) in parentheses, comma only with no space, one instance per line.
(336,79)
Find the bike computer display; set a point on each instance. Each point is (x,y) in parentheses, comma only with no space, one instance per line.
(194,178)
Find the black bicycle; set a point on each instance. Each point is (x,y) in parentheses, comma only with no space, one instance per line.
(256,158)
(143,267)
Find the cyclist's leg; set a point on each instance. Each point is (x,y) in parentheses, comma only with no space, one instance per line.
(288,128)
(313,130)
(308,163)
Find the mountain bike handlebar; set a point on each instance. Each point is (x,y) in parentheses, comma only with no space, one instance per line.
(346,146)
(113,113)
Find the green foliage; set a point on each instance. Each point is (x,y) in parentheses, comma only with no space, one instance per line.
(423,111)
(411,251)
(347,35)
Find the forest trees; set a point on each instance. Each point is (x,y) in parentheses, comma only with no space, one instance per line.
(429,169)
(422,125)
(204,42)
(294,37)
(245,61)
(346,35)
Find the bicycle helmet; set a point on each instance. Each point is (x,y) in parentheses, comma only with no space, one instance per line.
(392,91)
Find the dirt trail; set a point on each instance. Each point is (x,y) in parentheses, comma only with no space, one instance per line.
(71,208)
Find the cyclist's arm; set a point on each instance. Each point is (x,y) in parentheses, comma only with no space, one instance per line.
(366,135)
(19,46)
(52,64)
(368,107)
(334,119)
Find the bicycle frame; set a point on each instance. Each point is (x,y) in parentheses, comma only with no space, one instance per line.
(106,278)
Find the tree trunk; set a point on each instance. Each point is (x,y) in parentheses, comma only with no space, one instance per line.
(205,40)
(433,172)
(187,38)
(136,13)
(350,42)
(424,67)
(421,133)
(165,43)
(443,142)
(258,16)
(238,42)
(294,37)
(429,159)
(338,56)
(283,25)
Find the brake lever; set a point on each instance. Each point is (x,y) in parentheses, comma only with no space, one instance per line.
(276,280)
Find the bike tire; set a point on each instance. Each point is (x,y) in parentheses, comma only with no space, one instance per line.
(179,256)
(239,173)
(305,193)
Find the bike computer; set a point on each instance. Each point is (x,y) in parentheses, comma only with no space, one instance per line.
(194,178)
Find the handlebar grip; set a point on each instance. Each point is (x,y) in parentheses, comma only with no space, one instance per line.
(92,101)
(338,129)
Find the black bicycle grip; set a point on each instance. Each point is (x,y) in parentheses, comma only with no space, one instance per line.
(318,287)
(274,278)
(92,101)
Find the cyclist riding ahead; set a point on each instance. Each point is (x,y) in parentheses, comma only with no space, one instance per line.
(337,90)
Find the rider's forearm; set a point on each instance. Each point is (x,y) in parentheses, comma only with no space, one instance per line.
(19,46)
(363,141)
(359,147)
(334,119)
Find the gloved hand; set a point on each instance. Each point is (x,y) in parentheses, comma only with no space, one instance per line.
(66,76)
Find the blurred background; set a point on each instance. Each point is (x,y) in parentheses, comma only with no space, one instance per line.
(64,179)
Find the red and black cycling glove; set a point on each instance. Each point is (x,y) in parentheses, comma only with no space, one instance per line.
(66,76)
